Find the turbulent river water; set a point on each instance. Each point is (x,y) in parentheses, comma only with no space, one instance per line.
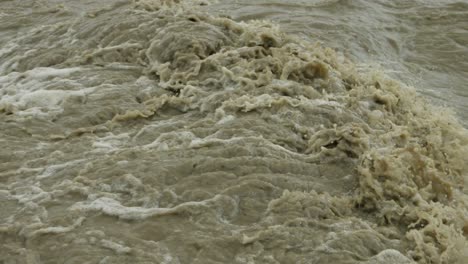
(194,131)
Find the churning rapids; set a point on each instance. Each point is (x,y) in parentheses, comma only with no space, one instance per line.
(161,131)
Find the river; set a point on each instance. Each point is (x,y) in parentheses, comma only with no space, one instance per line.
(197,131)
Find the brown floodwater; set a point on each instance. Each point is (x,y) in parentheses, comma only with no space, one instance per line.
(194,131)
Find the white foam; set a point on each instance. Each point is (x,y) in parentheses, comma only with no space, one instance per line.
(172,140)
(389,256)
(47,72)
(46,98)
(226,119)
(57,229)
(113,207)
(28,194)
(118,248)
(30,93)
(110,142)
(53,169)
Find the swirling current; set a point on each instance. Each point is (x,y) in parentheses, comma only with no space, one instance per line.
(193,131)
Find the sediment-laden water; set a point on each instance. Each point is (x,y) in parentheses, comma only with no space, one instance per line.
(172,131)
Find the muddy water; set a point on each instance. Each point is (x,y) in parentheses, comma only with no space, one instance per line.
(192,132)
(423,43)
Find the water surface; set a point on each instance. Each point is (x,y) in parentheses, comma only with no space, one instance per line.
(233,132)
